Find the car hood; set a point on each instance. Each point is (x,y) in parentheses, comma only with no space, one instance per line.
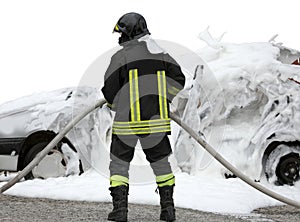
(44,110)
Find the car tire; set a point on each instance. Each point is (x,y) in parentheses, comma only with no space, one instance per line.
(282,164)
(287,170)
(31,154)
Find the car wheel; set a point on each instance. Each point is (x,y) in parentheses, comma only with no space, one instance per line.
(287,170)
(52,165)
(282,165)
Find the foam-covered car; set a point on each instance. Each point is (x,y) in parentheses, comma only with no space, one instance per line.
(246,102)
(28,124)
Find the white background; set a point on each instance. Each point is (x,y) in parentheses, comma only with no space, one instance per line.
(46,45)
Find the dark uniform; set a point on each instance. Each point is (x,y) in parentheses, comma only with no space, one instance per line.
(138,87)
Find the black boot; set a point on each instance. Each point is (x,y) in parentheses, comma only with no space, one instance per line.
(120,202)
(167,204)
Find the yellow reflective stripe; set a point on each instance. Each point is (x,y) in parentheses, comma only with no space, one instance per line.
(131,126)
(159,94)
(117,27)
(164,88)
(137,96)
(141,130)
(118,180)
(164,177)
(173,91)
(165,180)
(134,95)
(162,94)
(131,94)
(139,133)
(146,129)
(143,123)
(167,183)
(120,131)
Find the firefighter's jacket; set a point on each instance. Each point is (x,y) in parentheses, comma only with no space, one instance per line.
(138,86)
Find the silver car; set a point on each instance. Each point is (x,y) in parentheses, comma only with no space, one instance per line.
(28,124)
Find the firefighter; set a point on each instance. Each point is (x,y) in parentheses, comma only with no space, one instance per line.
(140,81)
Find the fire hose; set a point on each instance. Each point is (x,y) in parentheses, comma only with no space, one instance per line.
(175,118)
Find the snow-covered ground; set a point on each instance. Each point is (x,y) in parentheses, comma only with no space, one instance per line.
(232,106)
(206,193)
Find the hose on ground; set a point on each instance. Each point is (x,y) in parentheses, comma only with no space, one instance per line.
(175,118)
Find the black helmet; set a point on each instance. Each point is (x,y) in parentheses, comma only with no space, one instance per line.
(132,26)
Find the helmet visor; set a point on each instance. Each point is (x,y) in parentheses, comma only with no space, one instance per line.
(116,28)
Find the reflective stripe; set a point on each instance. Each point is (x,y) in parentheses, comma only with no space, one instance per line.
(118,180)
(165,102)
(131,93)
(162,94)
(134,95)
(137,96)
(117,27)
(142,123)
(165,180)
(173,91)
(161,111)
(146,130)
